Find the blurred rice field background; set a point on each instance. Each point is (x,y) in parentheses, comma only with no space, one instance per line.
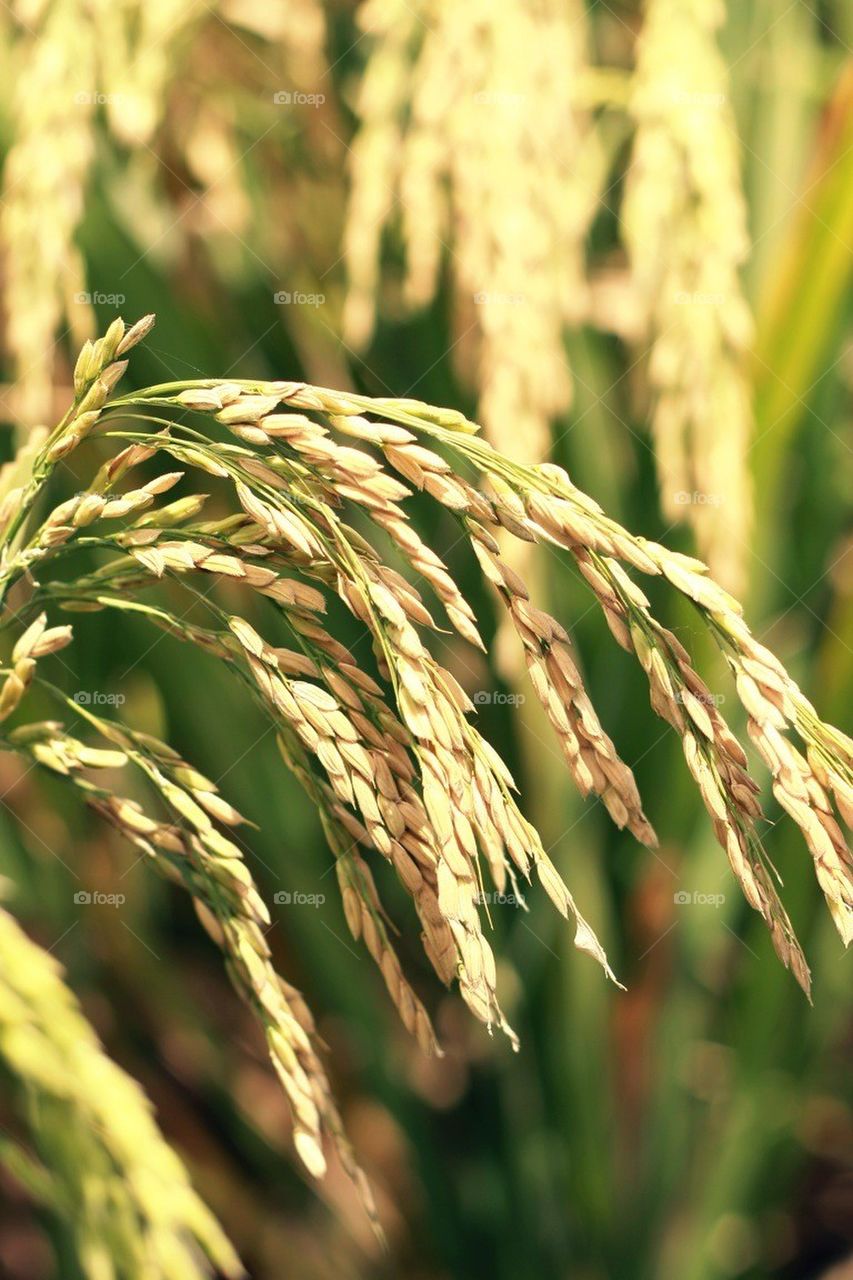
(622,238)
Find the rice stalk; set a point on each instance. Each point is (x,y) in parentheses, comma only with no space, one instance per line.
(391,758)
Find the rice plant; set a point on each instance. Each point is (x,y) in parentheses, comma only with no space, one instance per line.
(498,138)
(685,225)
(315,485)
(98,1158)
(473,118)
(90,78)
(71,59)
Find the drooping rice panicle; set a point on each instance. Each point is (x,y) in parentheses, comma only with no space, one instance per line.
(101,1161)
(684,224)
(541,502)
(452,758)
(69,58)
(43,195)
(472,123)
(189,849)
(389,756)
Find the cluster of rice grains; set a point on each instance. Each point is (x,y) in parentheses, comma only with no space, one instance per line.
(684,224)
(470,117)
(475,135)
(74,60)
(393,762)
(90,72)
(99,1157)
(475,121)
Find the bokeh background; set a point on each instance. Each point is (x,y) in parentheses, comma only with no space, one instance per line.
(584,225)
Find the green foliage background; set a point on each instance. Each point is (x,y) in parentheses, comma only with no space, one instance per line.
(697,1126)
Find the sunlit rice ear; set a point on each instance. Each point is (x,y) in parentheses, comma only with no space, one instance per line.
(319,484)
(118,1180)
